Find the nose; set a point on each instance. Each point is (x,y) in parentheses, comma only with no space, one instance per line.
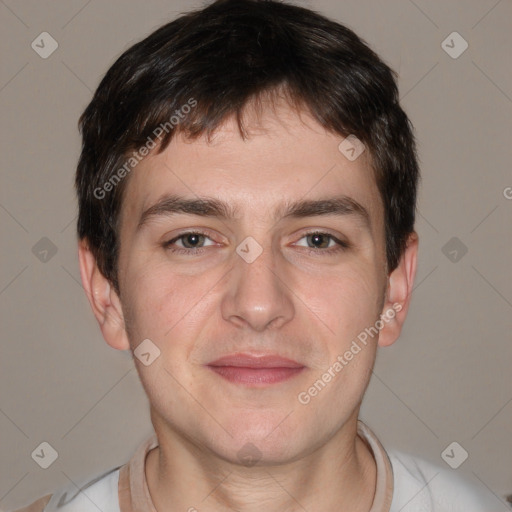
(258,295)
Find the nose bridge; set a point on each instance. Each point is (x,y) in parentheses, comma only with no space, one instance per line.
(257,296)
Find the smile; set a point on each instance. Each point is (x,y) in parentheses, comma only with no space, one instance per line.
(255,370)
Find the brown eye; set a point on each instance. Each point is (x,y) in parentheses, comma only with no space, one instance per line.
(320,243)
(189,242)
(192,240)
(319,240)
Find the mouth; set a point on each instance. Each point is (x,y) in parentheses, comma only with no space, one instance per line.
(255,371)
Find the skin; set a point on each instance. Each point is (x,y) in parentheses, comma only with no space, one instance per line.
(302,305)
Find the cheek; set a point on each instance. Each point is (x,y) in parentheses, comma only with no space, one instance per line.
(347,301)
(162,303)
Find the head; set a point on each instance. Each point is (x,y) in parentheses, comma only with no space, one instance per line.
(239,123)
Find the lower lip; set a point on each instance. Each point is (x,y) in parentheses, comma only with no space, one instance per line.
(255,376)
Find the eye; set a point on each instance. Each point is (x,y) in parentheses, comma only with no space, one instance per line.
(320,242)
(189,242)
(195,242)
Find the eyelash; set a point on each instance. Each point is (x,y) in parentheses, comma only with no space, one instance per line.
(341,245)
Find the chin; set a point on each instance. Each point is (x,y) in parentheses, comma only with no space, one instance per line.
(256,440)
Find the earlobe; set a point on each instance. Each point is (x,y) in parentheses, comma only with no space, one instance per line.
(399,293)
(103,299)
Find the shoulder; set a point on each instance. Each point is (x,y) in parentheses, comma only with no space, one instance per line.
(422,486)
(98,493)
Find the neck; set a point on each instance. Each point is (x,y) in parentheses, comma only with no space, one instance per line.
(340,475)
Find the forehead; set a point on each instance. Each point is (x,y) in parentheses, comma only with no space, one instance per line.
(286,157)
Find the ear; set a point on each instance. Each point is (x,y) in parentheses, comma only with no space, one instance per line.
(103,299)
(398,293)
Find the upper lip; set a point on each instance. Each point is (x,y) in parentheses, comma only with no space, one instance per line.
(244,360)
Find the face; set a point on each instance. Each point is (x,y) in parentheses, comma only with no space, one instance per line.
(287,259)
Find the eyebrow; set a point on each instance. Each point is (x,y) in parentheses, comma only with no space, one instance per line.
(210,207)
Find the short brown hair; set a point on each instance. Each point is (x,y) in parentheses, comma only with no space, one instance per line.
(223,57)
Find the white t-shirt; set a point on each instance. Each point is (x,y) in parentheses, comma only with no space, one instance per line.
(404,484)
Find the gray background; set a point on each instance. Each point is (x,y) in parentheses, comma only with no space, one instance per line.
(447,378)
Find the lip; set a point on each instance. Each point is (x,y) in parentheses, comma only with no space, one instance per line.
(244,360)
(255,371)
